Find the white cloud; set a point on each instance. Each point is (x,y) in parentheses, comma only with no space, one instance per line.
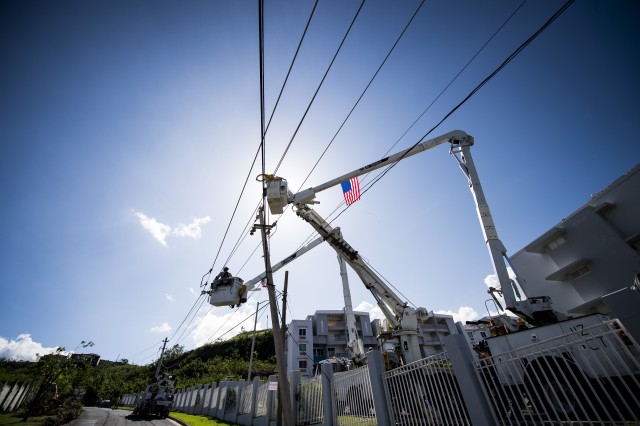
(191,290)
(374,310)
(157,229)
(491,280)
(160,231)
(162,328)
(22,349)
(168,297)
(192,230)
(464,314)
(218,322)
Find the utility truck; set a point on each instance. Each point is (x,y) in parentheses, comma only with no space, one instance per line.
(157,398)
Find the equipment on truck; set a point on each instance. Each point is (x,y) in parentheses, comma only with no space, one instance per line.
(157,398)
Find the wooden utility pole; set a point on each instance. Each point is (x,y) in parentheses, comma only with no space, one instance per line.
(284,339)
(283,380)
(164,345)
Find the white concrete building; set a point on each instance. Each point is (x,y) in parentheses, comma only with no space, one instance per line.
(321,336)
(592,252)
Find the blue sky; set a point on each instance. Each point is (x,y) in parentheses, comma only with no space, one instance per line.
(128,129)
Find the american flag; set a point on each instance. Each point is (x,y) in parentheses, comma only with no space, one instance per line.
(351,190)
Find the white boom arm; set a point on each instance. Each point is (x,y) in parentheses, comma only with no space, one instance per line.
(535,310)
(252,282)
(278,195)
(402,317)
(355,345)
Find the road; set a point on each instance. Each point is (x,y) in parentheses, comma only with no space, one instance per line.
(94,416)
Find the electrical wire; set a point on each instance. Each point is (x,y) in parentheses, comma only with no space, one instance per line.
(319,86)
(315,4)
(456,77)
(404,30)
(260,148)
(515,53)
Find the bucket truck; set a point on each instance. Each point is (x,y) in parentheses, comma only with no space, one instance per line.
(402,317)
(533,310)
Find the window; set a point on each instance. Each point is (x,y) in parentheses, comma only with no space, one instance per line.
(303,348)
(318,351)
(302,333)
(470,334)
(556,243)
(579,272)
(302,364)
(331,351)
(483,334)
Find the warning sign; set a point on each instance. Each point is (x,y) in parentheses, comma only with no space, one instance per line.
(273,386)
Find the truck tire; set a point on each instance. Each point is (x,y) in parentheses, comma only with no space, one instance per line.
(559,389)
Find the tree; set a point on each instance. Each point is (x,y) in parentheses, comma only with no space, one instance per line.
(50,370)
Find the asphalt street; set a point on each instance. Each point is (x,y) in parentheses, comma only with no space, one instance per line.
(94,416)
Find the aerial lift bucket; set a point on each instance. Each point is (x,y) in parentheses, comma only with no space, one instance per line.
(227,292)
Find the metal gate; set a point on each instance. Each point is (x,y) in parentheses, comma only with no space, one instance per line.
(425,392)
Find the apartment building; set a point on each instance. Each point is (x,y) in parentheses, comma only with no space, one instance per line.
(323,335)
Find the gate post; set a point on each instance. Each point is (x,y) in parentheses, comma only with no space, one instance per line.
(376,369)
(470,387)
(294,388)
(327,395)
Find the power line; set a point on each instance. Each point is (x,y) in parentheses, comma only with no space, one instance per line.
(260,146)
(404,30)
(291,65)
(456,76)
(481,84)
(319,86)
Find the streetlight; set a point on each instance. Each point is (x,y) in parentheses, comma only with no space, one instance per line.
(253,340)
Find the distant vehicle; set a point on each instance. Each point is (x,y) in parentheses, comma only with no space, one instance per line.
(106,403)
(158,398)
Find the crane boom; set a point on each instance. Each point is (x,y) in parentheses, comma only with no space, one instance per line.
(402,317)
(534,310)
(278,195)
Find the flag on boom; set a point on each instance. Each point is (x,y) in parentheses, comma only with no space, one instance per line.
(351,190)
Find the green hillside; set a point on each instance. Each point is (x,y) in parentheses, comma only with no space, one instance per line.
(107,380)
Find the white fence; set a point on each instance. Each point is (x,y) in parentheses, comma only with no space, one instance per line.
(12,396)
(231,401)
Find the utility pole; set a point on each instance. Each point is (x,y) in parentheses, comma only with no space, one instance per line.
(284,338)
(164,345)
(283,380)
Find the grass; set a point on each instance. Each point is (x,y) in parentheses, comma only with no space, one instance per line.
(357,420)
(192,420)
(14,419)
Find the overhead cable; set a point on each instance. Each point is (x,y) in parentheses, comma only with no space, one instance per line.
(319,86)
